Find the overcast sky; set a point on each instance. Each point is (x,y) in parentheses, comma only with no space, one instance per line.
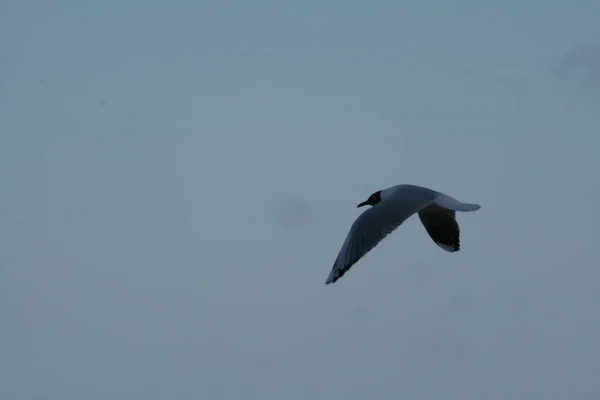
(178,177)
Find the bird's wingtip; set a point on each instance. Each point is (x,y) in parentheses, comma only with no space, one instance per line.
(331,278)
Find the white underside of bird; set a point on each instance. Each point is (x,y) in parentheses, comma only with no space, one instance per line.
(390,208)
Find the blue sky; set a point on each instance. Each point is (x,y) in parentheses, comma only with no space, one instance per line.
(178,178)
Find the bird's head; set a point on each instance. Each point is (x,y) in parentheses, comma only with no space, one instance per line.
(372,200)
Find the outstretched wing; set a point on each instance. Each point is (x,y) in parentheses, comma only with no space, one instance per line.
(439,219)
(440,223)
(370,228)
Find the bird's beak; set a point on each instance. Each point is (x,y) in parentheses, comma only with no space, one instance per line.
(364,203)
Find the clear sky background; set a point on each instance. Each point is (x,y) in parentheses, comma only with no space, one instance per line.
(178,177)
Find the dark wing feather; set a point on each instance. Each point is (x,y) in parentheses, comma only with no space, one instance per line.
(440,223)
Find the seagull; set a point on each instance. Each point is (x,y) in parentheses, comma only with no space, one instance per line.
(389,209)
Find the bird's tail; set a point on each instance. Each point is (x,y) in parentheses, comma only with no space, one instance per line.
(451,203)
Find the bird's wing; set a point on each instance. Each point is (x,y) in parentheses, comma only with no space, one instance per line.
(369,229)
(439,219)
(440,223)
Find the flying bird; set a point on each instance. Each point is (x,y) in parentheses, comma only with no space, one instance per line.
(389,209)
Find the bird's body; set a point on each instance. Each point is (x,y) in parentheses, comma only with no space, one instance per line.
(390,208)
